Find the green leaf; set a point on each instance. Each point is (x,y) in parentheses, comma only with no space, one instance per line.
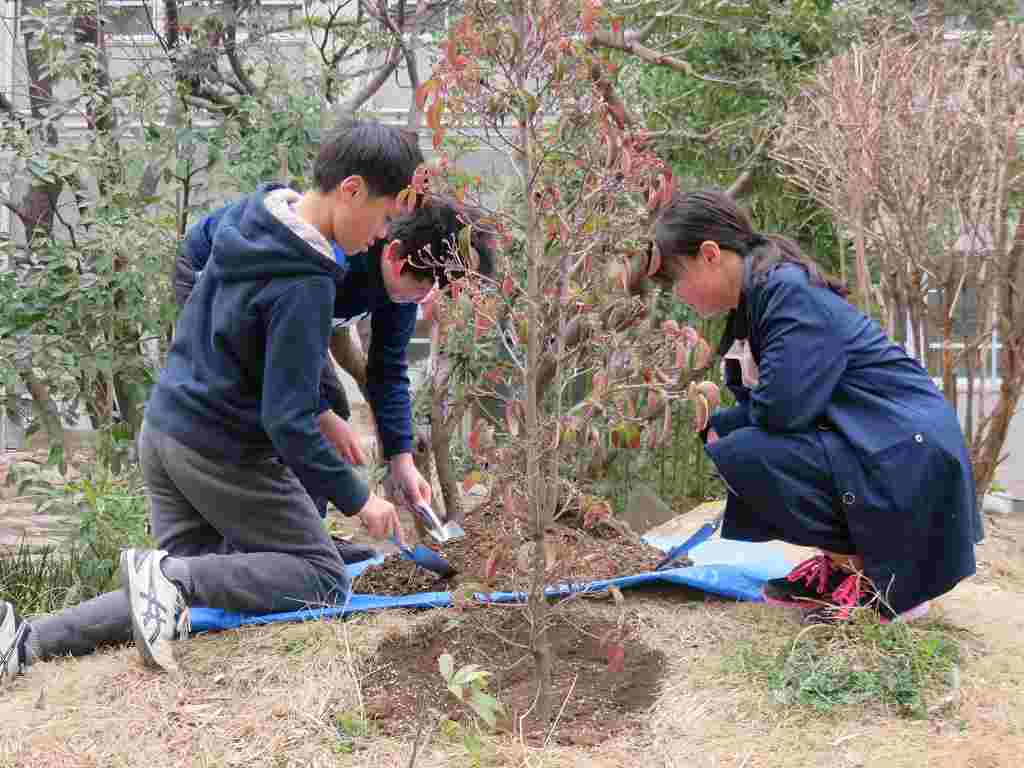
(457,691)
(467,674)
(486,706)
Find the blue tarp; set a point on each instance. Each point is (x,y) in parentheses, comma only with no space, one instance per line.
(732,569)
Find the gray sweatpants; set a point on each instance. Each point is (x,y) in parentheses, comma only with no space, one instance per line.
(251,536)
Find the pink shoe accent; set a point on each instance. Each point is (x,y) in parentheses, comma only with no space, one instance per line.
(816,569)
(794,603)
(847,596)
(912,614)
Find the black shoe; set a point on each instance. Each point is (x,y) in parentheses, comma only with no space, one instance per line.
(353,553)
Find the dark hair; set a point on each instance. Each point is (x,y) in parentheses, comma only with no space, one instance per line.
(429,238)
(691,218)
(386,156)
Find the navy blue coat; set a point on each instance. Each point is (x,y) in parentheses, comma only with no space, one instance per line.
(845,443)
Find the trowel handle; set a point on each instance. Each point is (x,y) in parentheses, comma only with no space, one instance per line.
(426,514)
(404,549)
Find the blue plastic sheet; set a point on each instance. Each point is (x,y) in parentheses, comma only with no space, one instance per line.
(733,569)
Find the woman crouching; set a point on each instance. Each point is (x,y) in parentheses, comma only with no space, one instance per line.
(839,440)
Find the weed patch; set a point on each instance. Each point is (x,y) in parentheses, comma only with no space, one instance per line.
(857,663)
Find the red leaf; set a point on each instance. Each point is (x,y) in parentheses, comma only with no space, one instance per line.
(434,114)
(474,439)
(470,480)
(616,658)
(587,20)
(423,92)
(508,286)
(491,567)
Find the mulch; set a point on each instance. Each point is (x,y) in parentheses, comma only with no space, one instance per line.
(495,555)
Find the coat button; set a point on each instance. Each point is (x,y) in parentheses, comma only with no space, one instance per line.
(849,498)
(918,438)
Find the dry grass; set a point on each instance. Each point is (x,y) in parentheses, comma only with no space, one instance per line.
(274,696)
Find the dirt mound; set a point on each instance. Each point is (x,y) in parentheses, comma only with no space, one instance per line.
(593,700)
(495,556)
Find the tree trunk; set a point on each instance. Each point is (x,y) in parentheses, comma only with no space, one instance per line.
(971,354)
(989,445)
(45,409)
(441,431)
(36,210)
(540,643)
(948,364)
(349,355)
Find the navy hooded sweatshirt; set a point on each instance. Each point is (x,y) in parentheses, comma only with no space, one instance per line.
(242,379)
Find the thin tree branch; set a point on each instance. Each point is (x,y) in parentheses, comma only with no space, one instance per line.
(375,83)
(622,114)
(622,42)
(231,50)
(641,35)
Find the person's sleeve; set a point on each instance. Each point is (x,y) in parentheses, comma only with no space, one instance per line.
(332,392)
(802,357)
(193,254)
(726,420)
(298,327)
(387,375)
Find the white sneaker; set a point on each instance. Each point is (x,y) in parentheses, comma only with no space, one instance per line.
(159,612)
(13,632)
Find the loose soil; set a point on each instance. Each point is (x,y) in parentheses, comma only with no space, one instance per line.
(592,701)
(573,556)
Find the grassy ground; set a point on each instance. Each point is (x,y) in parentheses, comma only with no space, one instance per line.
(746,686)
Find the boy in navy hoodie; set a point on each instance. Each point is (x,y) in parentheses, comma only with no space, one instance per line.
(234,525)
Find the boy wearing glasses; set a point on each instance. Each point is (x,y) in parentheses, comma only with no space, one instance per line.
(232,447)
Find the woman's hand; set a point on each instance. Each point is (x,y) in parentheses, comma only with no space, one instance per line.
(705,397)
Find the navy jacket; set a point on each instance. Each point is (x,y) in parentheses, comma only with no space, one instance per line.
(892,443)
(191,260)
(242,377)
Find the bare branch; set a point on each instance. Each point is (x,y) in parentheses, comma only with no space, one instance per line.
(231,50)
(396,30)
(375,83)
(622,114)
(622,42)
(641,35)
